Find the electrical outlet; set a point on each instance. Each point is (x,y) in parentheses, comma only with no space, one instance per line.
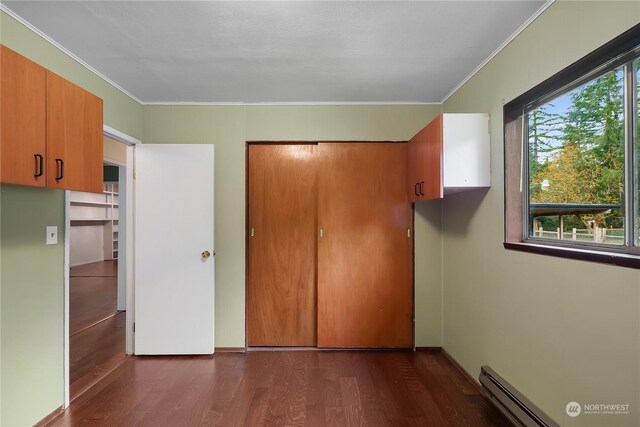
(52,234)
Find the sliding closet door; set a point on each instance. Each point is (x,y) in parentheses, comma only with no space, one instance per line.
(365,277)
(281,293)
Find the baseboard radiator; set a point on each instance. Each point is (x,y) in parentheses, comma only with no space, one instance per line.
(513,405)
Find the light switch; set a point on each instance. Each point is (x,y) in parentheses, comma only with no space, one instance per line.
(52,234)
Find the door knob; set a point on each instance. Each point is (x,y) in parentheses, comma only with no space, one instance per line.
(205,254)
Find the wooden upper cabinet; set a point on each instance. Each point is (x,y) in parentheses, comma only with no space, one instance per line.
(74,137)
(449,155)
(50,129)
(23,116)
(425,163)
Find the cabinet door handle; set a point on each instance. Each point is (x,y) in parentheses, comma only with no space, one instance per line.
(422,188)
(415,189)
(60,172)
(39,165)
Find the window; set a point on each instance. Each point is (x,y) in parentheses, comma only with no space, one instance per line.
(572,182)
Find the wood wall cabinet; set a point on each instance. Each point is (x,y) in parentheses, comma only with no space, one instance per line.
(23,120)
(330,246)
(74,137)
(449,155)
(51,129)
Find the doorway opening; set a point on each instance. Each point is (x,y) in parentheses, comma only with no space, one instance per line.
(98,271)
(96,297)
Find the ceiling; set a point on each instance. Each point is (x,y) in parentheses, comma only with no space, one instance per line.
(281,51)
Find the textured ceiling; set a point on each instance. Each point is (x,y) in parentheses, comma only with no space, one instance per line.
(304,51)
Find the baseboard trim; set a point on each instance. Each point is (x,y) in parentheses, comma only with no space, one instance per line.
(46,420)
(229,350)
(434,349)
(474,381)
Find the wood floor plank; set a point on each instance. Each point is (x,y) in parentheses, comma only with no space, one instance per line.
(96,351)
(97,331)
(284,388)
(100,268)
(91,299)
(354,414)
(315,415)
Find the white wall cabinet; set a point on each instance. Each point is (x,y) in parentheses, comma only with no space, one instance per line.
(450,154)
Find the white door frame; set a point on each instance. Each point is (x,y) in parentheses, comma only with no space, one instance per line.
(127,225)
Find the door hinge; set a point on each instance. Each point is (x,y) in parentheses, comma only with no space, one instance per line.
(134,173)
(134,326)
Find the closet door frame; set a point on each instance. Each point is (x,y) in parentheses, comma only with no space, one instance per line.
(247,236)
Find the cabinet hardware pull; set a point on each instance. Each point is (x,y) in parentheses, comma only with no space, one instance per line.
(253,232)
(321,232)
(422,188)
(39,165)
(408,232)
(415,189)
(60,165)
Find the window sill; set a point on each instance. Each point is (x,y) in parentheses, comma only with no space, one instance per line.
(612,258)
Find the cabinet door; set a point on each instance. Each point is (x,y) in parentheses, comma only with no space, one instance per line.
(425,163)
(415,169)
(74,137)
(281,291)
(23,131)
(365,274)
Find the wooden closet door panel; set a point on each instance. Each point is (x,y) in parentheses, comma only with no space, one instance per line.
(281,294)
(74,135)
(23,129)
(365,274)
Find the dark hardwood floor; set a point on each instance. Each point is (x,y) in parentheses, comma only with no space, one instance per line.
(100,268)
(96,351)
(97,332)
(292,388)
(92,294)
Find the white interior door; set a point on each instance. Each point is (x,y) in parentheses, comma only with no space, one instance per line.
(174,279)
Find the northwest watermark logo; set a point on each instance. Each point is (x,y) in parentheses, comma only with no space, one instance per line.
(573,409)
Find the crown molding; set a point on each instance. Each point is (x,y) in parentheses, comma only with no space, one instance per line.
(499,49)
(27,24)
(226,104)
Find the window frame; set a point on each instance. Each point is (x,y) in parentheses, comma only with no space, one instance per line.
(623,51)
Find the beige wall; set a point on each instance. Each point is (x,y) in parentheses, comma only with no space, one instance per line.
(559,330)
(229,127)
(31,278)
(31,304)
